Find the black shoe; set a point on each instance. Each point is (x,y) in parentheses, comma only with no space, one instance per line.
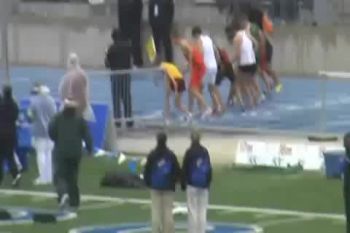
(130,124)
(118,125)
(16,180)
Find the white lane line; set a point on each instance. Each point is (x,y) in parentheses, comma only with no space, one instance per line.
(96,206)
(276,222)
(211,207)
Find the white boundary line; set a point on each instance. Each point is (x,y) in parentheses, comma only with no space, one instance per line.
(103,205)
(210,207)
(276,222)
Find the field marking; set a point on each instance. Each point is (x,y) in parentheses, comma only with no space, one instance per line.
(96,206)
(277,222)
(210,207)
(228,212)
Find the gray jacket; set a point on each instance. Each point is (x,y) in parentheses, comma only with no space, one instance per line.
(42,109)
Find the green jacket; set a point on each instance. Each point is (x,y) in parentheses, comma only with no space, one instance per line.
(68,133)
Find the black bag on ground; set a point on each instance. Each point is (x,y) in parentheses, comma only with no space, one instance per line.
(122,180)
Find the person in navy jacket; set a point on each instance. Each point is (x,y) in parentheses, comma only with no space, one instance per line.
(196,179)
(162,172)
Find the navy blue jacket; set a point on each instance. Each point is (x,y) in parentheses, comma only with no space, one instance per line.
(192,154)
(153,158)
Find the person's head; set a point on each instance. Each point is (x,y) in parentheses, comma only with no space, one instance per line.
(196,32)
(243,22)
(347,143)
(7,93)
(195,137)
(255,15)
(35,89)
(161,139)
(230,32)
(73,61)
(117,35)
(44,90)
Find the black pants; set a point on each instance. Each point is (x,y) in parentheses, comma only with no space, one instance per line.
(133,33)
(7,154)
(121,93)
(347,196)
(162,39)
(66,179)
(135,37)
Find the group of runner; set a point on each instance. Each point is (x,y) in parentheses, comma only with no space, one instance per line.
(209,64)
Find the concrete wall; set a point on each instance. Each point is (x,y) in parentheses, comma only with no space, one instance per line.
(47,38)
(298,50)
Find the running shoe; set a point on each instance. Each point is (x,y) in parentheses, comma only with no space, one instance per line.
(187,117)
(207,113)
(278,88)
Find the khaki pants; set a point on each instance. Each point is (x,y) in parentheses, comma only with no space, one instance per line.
(197,203)
(162,216)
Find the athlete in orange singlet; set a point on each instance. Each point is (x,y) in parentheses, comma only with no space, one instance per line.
(194,56)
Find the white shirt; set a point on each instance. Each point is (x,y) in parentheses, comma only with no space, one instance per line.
(247,56)
(209,52)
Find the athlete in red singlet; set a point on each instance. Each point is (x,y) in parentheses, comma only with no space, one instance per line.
(197,68)
(194,56)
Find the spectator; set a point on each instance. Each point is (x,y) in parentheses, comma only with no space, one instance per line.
(8,134)
(347,181)
(161,174)
(67,130)
(75,86)
(130,20)
(118,57)
(196,179)
(42,109)
(161,16)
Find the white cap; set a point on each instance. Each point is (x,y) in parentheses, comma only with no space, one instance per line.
(73,60)
(44,89)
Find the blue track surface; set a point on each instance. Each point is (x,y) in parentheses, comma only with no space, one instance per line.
(297,107)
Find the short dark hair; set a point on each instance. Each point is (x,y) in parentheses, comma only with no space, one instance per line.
(195,136)
(161,138)
(196,31)
(117,34)
(243,20)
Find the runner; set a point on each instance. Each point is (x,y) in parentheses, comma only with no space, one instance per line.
(175,84)
(261,19)
(246,60)
(258,39)
(210,60)
(194,56)
(268,29)
(225,70)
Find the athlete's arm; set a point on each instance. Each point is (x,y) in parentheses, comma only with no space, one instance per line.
(237,43)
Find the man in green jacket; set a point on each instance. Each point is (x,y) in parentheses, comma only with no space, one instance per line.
(68,130)
(347,180)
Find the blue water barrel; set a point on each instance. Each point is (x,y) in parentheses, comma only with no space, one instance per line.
(334,163)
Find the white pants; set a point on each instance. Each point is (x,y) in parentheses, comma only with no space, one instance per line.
(162,215)
(43,148)
(197,203)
